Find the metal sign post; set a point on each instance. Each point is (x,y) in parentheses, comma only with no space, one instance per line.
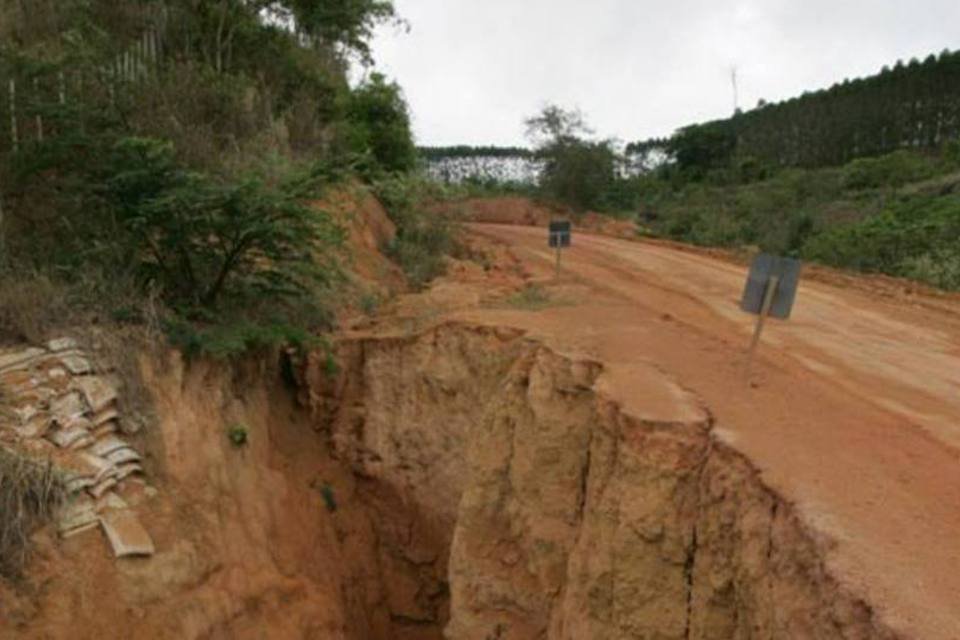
(768,295)
(770,291)
(560,233)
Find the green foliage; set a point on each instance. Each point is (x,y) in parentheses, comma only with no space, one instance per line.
(238,435)
(951,152)
(369,303)
(331,368)
(894,214)
(348,23)
(577,172)
(891,171)
(699,149)
(329,500)
(914,106)
(200,240)
(424,237)
(380,125)
(941,268)
(914,237)
(185,186)
(233,336)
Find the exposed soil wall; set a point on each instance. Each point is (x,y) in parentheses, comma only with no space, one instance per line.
(465,483)
(563,516)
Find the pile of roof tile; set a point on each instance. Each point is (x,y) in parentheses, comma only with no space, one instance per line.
(61,408)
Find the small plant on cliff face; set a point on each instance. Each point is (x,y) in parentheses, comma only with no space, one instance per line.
(328,498)
(369,303)
(424,237)
(330,366)
(238,435)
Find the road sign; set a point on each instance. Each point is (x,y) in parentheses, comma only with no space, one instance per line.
(765,267)
(560,233)
(770,291)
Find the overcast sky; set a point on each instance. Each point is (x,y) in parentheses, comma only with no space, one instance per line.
(473,69)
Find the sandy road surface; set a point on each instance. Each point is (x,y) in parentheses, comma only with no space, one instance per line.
(853,414)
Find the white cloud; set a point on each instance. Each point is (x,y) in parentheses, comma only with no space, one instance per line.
(473,69)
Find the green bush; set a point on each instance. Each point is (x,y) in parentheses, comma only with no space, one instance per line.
(424,237)
(916,238)
(379,125)
(233,336)
(238,435)
(890,171)
(201,241)
(940,268)
(185,189)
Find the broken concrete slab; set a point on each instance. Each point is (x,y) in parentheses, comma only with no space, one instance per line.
(62,344)
(83,442)
(111,501)
(123,456)
(105,485)
(75,364)
(98,468)
(67,407)
(77,516)
(104,430)
(126,534)
(105,415)
(37,427)
(75,484)
(98,393)
(106,446)
(21,359)
(57,373)
(25,413)
(66,438)
(126,470)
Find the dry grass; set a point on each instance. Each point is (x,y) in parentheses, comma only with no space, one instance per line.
(532,297)
(31,307)
(30,494)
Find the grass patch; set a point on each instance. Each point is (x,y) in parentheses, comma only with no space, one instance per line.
(532,297)
(30,494)
(425,237)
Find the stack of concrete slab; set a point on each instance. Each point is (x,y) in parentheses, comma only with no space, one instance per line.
(60,407)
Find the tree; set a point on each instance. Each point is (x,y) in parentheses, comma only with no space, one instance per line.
(699,149)
(344,23)
(202,242)
(577,171)
(379,124)
(555,125)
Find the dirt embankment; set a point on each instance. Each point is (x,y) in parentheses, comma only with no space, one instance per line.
(442,479)
(526,212)
(563,516)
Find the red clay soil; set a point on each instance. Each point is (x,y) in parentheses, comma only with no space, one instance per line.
(523,211)
(852,411)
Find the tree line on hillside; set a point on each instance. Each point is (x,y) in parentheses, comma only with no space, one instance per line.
(908,106)
(467,151)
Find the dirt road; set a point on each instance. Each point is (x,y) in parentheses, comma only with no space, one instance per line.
(853,412)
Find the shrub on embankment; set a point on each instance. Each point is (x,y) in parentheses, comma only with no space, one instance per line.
(162,157)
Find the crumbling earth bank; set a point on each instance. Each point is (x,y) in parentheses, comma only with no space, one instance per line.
(547,512)
(464,482)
